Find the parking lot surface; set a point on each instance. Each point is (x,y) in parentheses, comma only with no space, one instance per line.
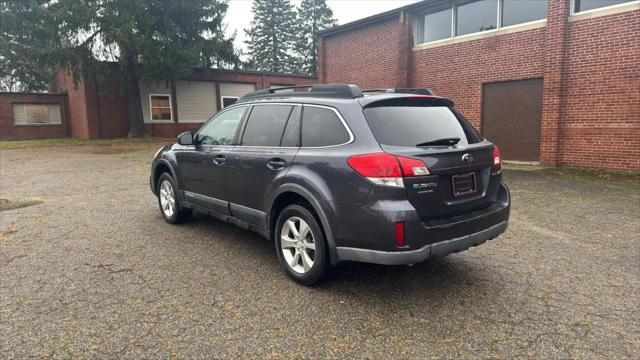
(95,271)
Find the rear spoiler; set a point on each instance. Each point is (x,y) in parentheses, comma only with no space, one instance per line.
(409,100)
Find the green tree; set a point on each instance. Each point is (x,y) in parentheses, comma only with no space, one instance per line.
(271,36)
(147,39)
(26,47)
(314,16)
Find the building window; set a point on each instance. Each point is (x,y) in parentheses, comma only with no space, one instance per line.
(475,17)
(435,26)
(160,105)
(228,101)
(586,5)
(36,114)
(523,11)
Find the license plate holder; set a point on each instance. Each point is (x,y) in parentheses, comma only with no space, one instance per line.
(464,184)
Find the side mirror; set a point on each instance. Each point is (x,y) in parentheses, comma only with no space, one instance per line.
(186,138)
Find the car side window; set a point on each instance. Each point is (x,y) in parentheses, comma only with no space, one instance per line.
(322,127)
(265,125)
(291,136)
(222,129)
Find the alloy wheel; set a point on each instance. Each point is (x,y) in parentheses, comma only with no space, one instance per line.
(298,245)
(167,198)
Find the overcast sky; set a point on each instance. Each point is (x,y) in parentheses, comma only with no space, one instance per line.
(239,14)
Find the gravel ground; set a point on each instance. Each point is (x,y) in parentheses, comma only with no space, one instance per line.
(94,271)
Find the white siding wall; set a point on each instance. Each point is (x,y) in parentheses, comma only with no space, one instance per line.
(160,88)
(197,100)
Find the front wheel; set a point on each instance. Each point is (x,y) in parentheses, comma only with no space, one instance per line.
(169,202)
(301,246)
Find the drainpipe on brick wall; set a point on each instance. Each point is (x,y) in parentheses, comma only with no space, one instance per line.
(404,49)
(553,88)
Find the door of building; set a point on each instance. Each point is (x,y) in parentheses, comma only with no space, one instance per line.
(512,113)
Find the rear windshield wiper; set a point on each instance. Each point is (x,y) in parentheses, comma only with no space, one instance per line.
(445,141)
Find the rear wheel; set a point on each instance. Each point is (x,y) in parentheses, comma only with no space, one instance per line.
(301,246)
(169,203)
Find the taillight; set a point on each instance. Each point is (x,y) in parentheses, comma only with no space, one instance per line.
(413,167)
(387,170)
(497,159)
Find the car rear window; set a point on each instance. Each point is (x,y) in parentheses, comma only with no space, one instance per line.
(413,125)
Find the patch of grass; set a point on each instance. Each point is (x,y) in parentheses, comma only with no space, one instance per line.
(593,174)
(12,205)
(23,144)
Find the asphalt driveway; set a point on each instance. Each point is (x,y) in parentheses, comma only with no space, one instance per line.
(95,271)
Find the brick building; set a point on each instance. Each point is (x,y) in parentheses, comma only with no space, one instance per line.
(554,81)
(80,111)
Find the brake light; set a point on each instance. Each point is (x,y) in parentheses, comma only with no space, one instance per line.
(497,159)
(387,170)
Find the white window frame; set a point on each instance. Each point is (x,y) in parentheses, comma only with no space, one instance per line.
(605,8)
(454,16)
(151,119)
(227,97)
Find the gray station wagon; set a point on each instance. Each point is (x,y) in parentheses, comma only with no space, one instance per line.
(332,174)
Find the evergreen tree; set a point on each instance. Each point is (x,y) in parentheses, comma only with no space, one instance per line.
(168,38)
(314,16)
(271,36)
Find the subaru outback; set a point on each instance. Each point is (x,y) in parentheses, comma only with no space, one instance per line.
(334,174)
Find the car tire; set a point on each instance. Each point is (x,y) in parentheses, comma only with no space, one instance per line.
(168,201)
(300,245)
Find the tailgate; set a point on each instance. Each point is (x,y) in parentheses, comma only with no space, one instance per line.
(454,186)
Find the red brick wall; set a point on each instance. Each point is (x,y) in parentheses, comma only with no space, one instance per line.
(458,71)
(9,131)
(600,126)
(596,59)
(77,105)
(369,56)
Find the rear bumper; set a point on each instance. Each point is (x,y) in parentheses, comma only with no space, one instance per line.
(375,241)
(438,249)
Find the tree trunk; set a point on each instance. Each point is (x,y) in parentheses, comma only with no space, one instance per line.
(132,89)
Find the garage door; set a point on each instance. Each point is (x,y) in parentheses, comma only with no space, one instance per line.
(512,112)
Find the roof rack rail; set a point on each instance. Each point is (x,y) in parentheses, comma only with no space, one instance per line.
(316,90)
(417,91)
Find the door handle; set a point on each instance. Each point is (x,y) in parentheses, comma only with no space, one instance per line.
(276,163)
(219,159)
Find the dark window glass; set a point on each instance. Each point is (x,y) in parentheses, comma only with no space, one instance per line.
(437,26)
(584,5)
(322,127)
(522,11)
(412,125)
(477,16)
(291,136)
(222,129)
(266,125)
(228,101)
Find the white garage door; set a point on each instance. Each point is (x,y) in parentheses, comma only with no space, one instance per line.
(196,100)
